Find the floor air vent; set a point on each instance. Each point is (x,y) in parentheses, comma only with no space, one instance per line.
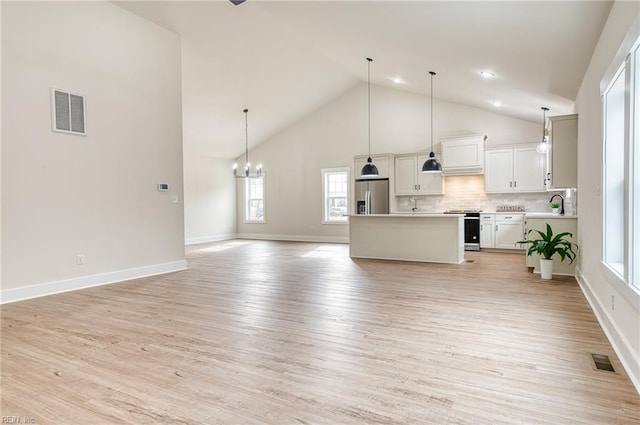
(469,261)
(602,363)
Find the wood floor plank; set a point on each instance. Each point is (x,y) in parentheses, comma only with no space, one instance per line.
(259,332)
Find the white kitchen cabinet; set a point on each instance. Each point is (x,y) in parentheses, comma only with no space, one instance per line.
(382,162)
(509,230)
(501,231)
(562,155)
(410,180)
(518,169)
(463,155)
(487,230)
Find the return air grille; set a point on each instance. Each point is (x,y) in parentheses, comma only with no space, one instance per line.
(602,362)
(68,112)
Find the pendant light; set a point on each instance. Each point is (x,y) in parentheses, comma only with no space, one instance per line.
(432,165)
(542,146)
(247,164)
(369,169)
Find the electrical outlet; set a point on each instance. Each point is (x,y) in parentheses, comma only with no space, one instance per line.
(613,302)
(80,259)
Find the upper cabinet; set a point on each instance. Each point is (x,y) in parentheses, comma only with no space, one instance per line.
(410,180)
(463,155)
(382,162)
(562,162)
(518,169)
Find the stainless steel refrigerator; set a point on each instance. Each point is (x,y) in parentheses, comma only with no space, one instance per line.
(372,196)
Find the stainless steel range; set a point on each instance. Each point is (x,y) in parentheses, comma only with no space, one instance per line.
(471,228)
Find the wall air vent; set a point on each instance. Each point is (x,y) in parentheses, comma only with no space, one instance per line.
(68,112)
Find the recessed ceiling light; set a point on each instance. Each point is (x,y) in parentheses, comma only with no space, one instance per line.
(487,74)
(397,80)
(496,103)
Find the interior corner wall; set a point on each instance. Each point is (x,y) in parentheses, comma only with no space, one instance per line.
(622,321)
(332,135)
(209,198)
(96,195)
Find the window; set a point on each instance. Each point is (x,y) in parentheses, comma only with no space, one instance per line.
(614,211)
(335,198)
(621,172)
(254,200)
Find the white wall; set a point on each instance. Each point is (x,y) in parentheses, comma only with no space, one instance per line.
(209,198)
(332,135)
(623,322)
(64,195)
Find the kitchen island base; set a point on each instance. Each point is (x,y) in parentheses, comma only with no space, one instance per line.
(433,238)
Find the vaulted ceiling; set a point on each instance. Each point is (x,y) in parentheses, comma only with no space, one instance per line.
(284,59)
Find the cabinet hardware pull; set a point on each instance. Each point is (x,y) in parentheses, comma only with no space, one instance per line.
(481,227)
(515,184)
(496,227)
(510,184)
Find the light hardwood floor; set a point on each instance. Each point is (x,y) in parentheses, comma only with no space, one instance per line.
(259,332)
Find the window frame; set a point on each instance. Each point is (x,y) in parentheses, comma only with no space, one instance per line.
(324,175)
(246,200)
(628,283)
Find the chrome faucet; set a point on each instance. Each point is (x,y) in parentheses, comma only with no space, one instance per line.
(561,202)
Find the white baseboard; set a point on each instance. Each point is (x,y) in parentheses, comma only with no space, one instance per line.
(294,238)
(50,288)
(212,238)
(619,342)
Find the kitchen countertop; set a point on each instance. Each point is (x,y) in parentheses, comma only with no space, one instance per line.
(547,215)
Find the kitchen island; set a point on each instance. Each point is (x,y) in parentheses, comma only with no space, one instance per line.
(433,238)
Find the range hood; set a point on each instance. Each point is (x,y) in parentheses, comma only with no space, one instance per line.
(463,155)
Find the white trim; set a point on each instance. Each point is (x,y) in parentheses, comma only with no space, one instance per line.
(631,293)
(620,57)
(294,238)
(50,288)
(620,344)
(211,238)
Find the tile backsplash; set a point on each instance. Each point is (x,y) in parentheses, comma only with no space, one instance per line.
(467,193)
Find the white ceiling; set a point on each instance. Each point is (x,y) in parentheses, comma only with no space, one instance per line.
(284,59)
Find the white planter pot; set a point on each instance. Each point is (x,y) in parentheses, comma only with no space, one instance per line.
(546,268)
(555,210)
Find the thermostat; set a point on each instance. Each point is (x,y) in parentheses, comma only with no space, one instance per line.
(163,187)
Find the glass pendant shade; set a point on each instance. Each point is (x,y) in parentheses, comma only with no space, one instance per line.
(542,147)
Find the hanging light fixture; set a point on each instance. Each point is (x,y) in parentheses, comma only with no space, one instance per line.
(542,146)
(432,165)
(369,169)
(247,164)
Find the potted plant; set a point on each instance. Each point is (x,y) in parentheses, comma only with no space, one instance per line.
(555,206)
(547,246)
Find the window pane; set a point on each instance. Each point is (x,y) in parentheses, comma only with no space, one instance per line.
(614,109)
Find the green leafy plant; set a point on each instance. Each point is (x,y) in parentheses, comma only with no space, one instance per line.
(555,204)
(550,244)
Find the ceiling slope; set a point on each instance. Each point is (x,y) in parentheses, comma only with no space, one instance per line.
(283,60)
